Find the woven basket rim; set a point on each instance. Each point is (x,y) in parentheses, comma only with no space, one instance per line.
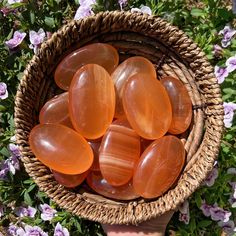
(107,211)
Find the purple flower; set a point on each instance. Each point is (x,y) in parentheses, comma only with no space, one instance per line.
(13,164)
(26,211)
(14,1)
(231,64)
(221,73)
(60,231)
(122,3)
(219,214)
(206,209)
(217,50)
(184,212)
(3,91)
(231,171)
(14,149)
(31,231)
(85,9)
(36,39)
(6,11)
(144,9)
(228,227)
(227,33)
(47,212)
(229,109)
(17,39)
(4,169)
(12,230)
(232,201)
(210,180)
(184,217)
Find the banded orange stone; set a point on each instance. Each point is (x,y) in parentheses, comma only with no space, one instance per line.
(91,101)
(147,106)
(124,71)
(181,104)
(98,53)
(61,148)
(159,167)
(100,185)
(119,153)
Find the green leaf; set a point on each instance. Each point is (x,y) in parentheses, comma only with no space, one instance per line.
(32,17)
(5,152)
(197,12)
(204,223)
(49,21)
(2,108)
(31,188)
(27,198)
(198,200)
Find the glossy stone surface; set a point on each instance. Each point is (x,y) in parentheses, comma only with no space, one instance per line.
(181,104)
(124,71)
(95,147)
(100,185)
(91,101)
(98,53)
(119,153)
(147,106)
(61,148)
(159,167)
(55,111)
(69,181)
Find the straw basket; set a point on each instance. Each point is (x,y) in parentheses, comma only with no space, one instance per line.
(172,53)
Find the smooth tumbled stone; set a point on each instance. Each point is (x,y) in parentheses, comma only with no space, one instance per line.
(61,148)
(91,101)
(98,53)
(159,167)
(119,153)
(147,106)
(100,185)
(181,104)
(55,111)
(69,181)
(124,71)
(95,147)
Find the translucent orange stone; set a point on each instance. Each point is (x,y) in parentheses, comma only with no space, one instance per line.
(159,167)
(147,106)
(69,181)
(91,101)
(100,185)
(119,153)
(98,53)
(181,105)
(61,148)
(95,147)
(124,71)
(55,111)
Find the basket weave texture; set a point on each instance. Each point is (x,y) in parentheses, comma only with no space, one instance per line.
(172,53)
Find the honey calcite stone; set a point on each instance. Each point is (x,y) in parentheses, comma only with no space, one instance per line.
(181,104)
(124,71)
(91,101)
(98,53)
(61,148)
(69,181)
(100,185)
(119,153)
(147,106)
(55,111)
(159,167)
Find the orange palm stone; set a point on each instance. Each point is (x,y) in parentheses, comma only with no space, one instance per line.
(124,71)
(159,167)
(91,101)
(100,185)
(119,153)
(98,53)
(181,105)
(61,148)
(55,111)
(147,106)
(69,181)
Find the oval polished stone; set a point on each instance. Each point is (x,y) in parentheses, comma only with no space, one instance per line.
(91,101)
(95,147)
(119,153)
(100,185)
(69,181)
(55,111)
(147,106)
(181,104)
(159,167)
(98,53)
(61,148)
(124,71)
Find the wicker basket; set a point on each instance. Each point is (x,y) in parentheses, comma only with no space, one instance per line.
(172,53)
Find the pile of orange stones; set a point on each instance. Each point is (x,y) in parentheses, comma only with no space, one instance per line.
(116,126)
